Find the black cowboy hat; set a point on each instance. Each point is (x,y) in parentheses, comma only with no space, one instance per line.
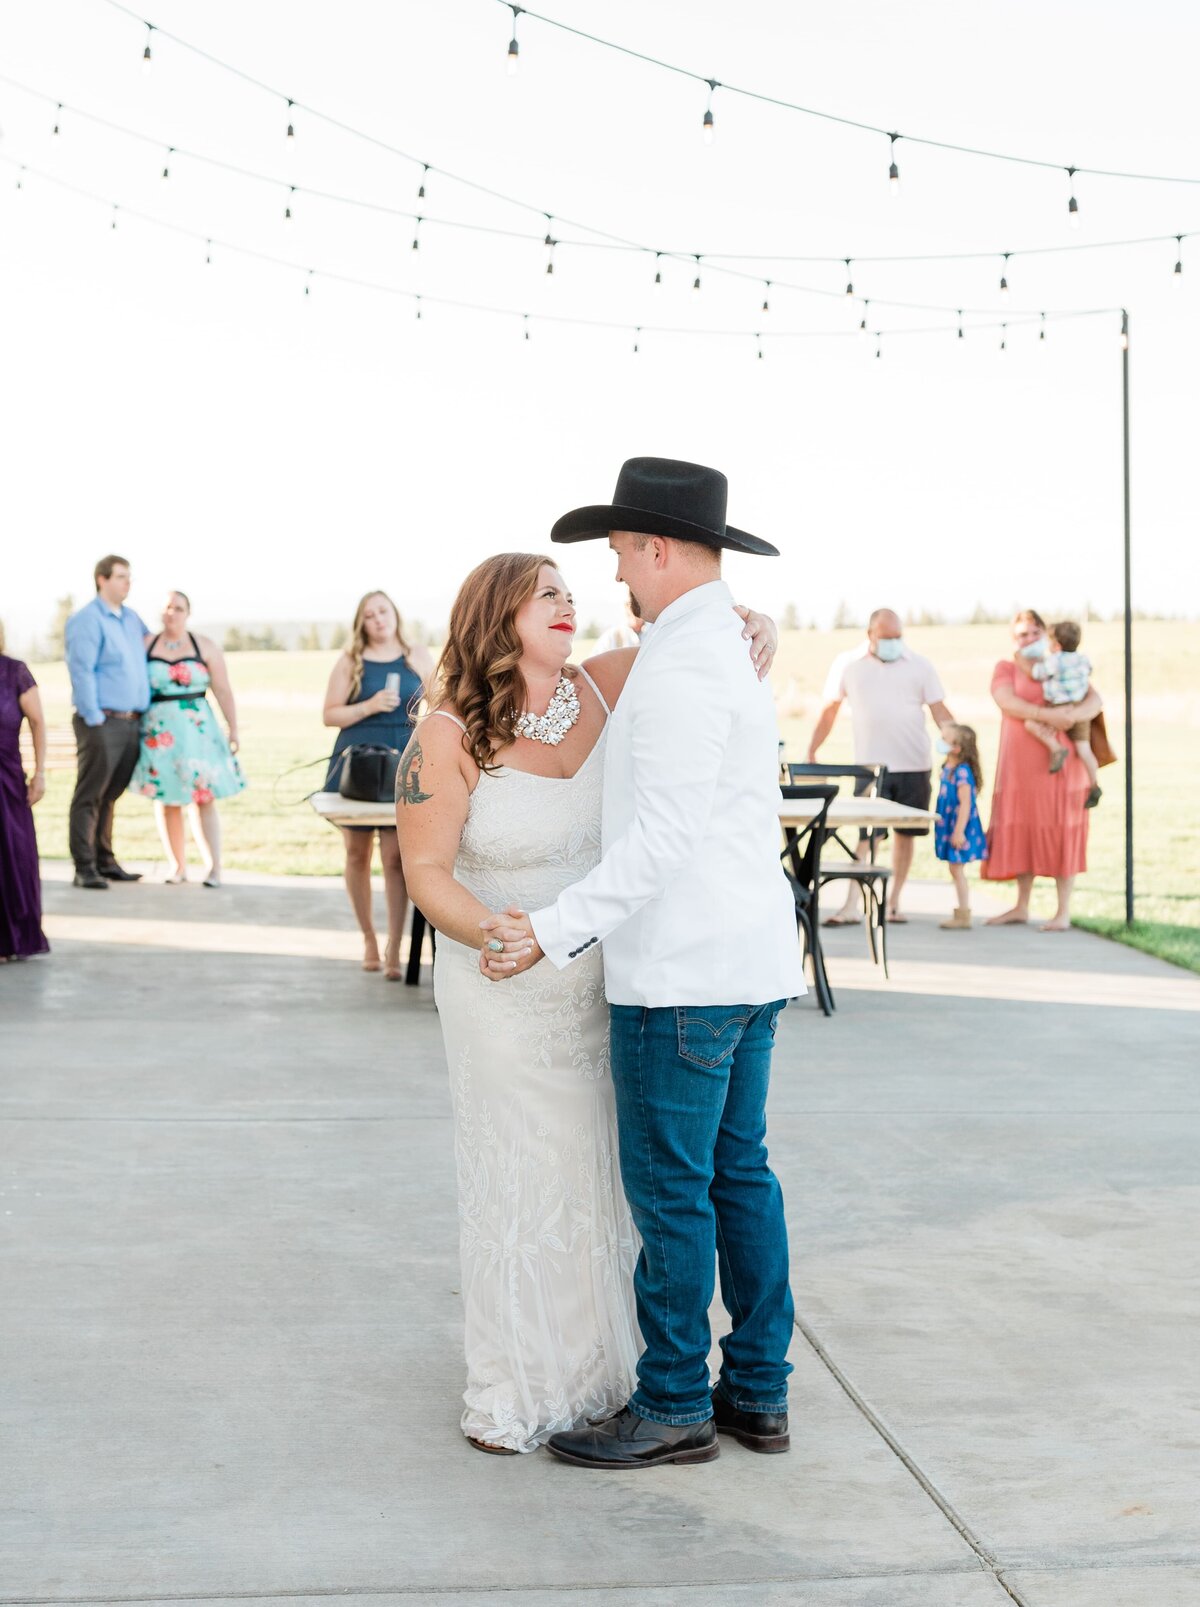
(663,497)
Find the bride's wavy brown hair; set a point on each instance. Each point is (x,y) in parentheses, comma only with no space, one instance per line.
(479,676)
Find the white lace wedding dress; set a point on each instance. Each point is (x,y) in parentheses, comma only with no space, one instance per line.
(547,1243)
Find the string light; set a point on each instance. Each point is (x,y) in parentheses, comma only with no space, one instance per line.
(115,210)
(893,170)
(849,276)
(708,125)
(418,300)
(424,176)
(291,131)
(1042,330)
(637,340)
(1003,337)
(1004,278)
(308,281)
(550,243)
(514,48)
(526,317)
(208,253)
(287,211)
(416,244)
(878,344)
(658,270)
(57,115)
(1072,204)
(758,338)
(766,306)
(696,281)
(960,324)
(146,53)
(862,328)
(167,163)
(19,176)
(1178,273)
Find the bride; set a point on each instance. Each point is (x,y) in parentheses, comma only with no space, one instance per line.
(499,808)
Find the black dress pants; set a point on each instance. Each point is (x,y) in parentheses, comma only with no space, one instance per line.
(105,757)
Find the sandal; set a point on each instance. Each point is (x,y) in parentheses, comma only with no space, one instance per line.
(492,1450)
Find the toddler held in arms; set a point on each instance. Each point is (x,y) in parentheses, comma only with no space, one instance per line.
(1065,674)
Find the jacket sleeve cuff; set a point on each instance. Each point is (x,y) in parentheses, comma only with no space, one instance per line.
(547,928)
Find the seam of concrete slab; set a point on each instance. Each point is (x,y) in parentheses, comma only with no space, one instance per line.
(942,1502)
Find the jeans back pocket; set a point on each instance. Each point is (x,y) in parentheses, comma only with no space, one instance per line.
(709,1034)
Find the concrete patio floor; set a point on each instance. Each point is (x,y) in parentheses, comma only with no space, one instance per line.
(230,1316)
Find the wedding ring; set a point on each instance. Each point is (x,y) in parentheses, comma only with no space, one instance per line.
(495,945)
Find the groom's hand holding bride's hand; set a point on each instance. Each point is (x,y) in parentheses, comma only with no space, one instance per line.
(763,637)
(521,949)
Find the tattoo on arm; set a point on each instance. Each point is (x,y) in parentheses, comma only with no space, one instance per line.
(408,778)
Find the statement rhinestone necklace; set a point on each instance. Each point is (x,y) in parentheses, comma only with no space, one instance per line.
(561,714)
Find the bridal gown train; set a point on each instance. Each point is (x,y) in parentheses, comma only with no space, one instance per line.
(547,1243)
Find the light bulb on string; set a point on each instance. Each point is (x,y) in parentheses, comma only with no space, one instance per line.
(658,270)
(418,301)
(166,173)
(424,176)
(287,210)
(862,328)
(696,281)
(1003,337)
(637,337)
(708,126)
(849,277)
(416,242)
(19,176)
(146,54)
(878,344)
(57,115)
(1004,278)
(1072,204)
(526,318)
(893,170)
(514,48)
(766,306)
(1177,275)
(551,242)
(115,210)
(291,128)
(758,338)
(308,281)
(1042,330)
(208,253)
(960,324)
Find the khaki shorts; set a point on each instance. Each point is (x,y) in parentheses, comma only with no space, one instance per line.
(1081,731)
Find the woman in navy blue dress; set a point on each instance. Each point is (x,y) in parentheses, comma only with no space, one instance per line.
(20,885)
(369,710)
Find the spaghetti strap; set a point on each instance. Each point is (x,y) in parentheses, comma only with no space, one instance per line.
(596,690)
(198,655)
(446,715)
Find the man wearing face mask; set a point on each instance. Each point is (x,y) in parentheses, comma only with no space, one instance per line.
(888,687)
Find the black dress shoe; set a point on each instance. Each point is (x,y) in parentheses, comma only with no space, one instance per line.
(757,1431)
(114,873)
(629,1441)
(92,879)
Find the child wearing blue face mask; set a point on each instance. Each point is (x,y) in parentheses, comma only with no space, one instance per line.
(1065,674)
(958,836)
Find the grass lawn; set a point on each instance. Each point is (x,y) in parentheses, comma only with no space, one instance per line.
(279,695)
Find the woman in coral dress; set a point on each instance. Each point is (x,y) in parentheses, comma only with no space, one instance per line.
(1039,826)
(186,760)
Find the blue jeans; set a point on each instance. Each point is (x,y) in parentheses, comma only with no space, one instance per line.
(691,1092)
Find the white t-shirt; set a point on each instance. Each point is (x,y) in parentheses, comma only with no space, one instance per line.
(887,703)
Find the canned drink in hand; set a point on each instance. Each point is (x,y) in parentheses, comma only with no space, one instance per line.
(393,684)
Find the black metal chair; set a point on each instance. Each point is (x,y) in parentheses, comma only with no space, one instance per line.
(801,859)
(420,926)
(871,879)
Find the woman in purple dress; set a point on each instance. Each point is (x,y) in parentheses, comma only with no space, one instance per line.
(20,886)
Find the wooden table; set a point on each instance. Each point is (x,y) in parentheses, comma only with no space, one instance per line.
(846,812)
(339,811)
(843,812)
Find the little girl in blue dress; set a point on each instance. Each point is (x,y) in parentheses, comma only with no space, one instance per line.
(958,836)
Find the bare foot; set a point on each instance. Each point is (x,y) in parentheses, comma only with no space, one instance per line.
(1058,924)
(371,960)
(391,963)
(843,918)
(1013,917)
(896,919)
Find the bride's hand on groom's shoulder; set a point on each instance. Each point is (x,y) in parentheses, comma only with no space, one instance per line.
(520,948)
(763,637)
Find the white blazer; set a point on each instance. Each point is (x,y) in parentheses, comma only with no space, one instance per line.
(689,899)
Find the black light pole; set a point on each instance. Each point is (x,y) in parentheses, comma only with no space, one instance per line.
(1128,634)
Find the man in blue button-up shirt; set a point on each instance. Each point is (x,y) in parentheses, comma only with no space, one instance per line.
(106,655)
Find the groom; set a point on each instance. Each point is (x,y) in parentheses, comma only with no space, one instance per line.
(700,956)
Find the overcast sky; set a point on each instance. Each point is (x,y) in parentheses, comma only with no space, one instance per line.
(276,454)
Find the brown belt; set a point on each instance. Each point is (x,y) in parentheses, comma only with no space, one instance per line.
(120,714)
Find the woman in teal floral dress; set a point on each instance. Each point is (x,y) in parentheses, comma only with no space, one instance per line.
(186,761)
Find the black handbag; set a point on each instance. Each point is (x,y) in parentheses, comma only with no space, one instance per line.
(369,773)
